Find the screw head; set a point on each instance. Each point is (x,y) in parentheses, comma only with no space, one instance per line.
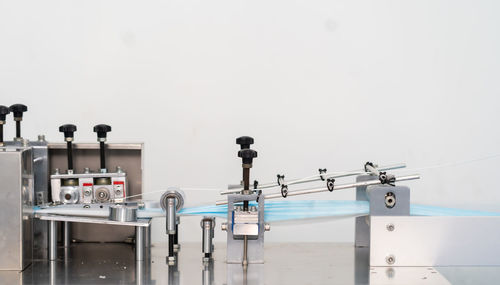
(267,227)
(390,227)
(223,226)
(390,259)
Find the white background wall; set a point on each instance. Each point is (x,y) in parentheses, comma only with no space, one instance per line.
(317,83)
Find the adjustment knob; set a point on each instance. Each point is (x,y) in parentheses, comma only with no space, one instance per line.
(244,142)
(18,110)
(68,131)
(102,131)
(247,155)
(3,112)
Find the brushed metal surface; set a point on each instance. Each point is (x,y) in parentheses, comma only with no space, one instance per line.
(435,241)
(16,223)
(286,263)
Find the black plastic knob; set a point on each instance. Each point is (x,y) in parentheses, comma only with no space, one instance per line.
(68,130)
(102,130)
(3,112)
(18,110)
(247,155)
(244,142)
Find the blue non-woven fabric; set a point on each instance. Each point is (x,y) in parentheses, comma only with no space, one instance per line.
(308,209)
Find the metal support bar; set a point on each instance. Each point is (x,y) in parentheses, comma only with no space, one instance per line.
(147,237)
(52,240)
(139,243)
(318,178)
(67,234)
(337,187)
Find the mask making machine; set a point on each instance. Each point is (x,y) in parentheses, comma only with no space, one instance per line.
(98,206)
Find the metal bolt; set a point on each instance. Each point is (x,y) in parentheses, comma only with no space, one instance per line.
(267,227)
(119,169)
(86,170)
(390,227)
(223,226)
(253,209)
(390,259)
(41,138)
(56,171)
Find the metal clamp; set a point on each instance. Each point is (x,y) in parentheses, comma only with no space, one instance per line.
(284,190)
(281,179)
(321,172)
(330,184)
(388,179)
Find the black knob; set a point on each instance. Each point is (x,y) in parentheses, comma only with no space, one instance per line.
(18,110)
(247,155)
(102,130)
(3,112)
(244,141)
(68,130)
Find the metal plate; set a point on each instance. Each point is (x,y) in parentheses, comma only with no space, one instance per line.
(16,202)
(435,241)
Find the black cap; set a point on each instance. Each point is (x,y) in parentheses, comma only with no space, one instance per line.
(247,155)
(3,112)
(244,141)
(68,130)
(102,130)
(18,110)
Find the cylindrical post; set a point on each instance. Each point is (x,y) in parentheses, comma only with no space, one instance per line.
(171,216)
(147,236)
(139,243)
(70,154)
(1,133)
(67,234)
(140,272)
(171,224)
(102,154)
(207,225)
(18,129)
(52,240)
(102,131)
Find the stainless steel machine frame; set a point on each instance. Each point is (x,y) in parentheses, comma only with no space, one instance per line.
(140,225)
(16,204)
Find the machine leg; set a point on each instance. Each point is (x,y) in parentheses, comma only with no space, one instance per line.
(147,237)
(52,240)
(67,234)
(139,243)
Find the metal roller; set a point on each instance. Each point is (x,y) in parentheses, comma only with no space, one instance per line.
(171,202)
(172,192)
(123,213)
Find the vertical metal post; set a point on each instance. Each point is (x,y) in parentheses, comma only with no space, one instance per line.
(52,240)
(171,226)
(67,234)
(139,243)
(207,226)
(147,236)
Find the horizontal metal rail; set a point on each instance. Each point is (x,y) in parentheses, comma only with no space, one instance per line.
(325,189)
(317,177)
